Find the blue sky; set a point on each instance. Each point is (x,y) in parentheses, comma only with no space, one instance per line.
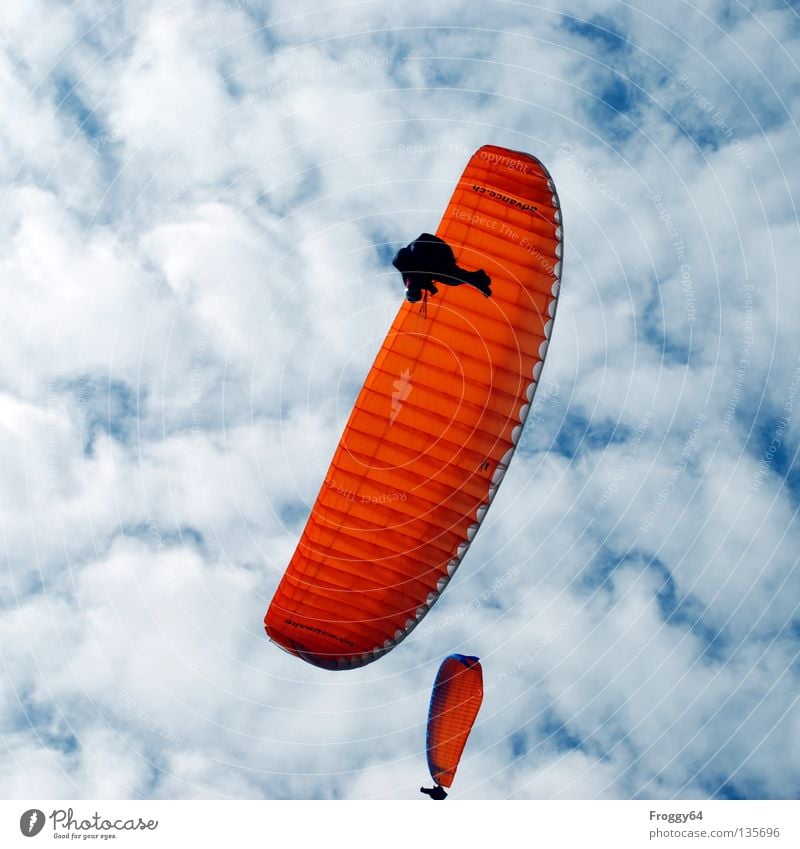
(199,203)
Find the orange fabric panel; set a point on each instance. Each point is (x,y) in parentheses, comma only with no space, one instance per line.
(433,428)
(455,702)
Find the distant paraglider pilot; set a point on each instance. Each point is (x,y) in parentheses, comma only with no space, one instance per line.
(430,258)
(436,792)
(455,701)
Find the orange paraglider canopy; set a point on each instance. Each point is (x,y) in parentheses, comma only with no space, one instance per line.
(455,702)
(433,429)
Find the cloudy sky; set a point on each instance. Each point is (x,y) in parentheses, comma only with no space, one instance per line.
(200,200)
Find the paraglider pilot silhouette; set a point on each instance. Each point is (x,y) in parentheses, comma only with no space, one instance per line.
(437,792)
(430,258)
